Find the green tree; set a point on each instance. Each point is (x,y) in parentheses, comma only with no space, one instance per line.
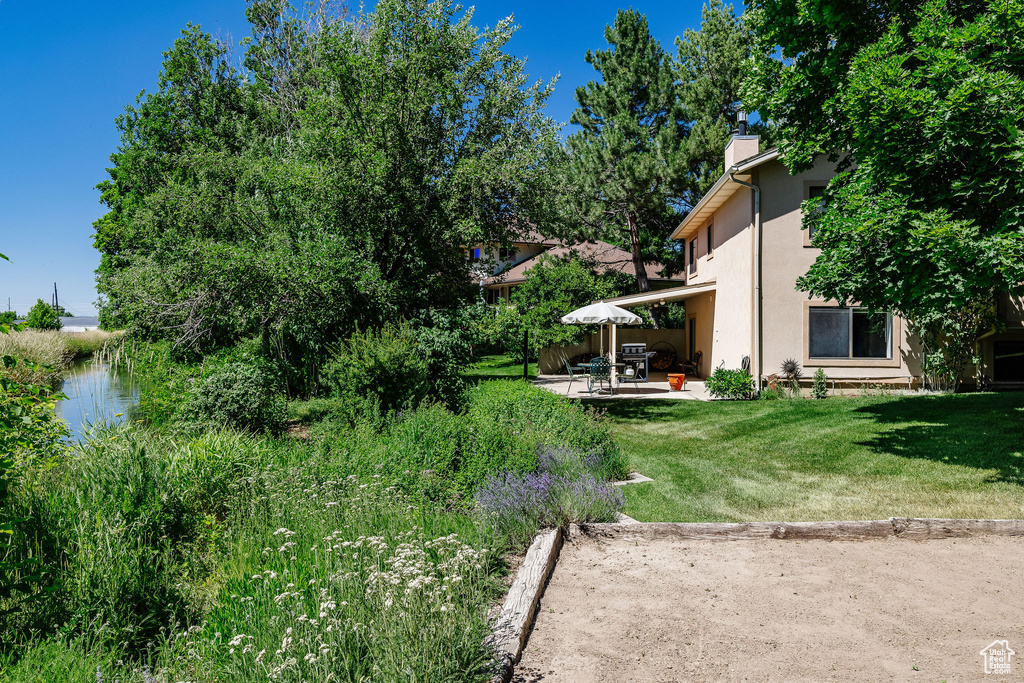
(553,288)
(627,159)
(711,65)
(924,102)
(329,190)
(42,316)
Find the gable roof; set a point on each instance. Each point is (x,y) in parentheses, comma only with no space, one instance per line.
(608,257)
(722,190)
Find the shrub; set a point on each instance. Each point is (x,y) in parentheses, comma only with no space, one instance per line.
(819,389)
(446,347)
(243,395)
(439,455)
(510,421)
(564,489)
(384,364)
(43,317)
(730,384)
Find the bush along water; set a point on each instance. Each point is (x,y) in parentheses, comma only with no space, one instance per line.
(368,551)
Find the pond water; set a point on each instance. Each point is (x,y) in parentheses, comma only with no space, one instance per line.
(95,392)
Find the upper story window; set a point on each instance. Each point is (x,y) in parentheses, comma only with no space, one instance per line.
(505,253)
(693,255)
(848,333)
(711,239)
(474,254)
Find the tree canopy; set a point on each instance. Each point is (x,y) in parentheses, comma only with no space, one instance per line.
(653,130)
(924,104)
(327,186)
(627,156)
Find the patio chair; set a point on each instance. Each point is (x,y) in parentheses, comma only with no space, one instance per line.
(573,370)
(633,378)
(600,372)
(690,366)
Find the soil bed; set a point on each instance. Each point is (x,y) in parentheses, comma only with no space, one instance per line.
(770,610)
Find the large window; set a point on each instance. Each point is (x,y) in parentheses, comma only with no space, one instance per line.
(848,333)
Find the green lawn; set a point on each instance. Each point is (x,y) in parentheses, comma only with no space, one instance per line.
(841,458)
(498,366)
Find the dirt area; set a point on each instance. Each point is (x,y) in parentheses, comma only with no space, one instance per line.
(770,610)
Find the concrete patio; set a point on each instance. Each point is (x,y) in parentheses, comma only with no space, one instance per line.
(657,387)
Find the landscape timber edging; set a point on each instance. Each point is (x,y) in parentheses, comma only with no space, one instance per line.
(912,528)
(516,617)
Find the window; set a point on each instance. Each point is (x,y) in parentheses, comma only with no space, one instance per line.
(848,333)
(711,239)
(474,255)
(505,253)
(493,296)
(693,255)
(815,192)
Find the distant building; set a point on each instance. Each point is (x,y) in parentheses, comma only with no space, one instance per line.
(511,270)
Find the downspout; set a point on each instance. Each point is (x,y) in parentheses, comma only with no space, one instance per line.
(757,361)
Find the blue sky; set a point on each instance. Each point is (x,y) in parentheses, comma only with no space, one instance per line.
(67,70)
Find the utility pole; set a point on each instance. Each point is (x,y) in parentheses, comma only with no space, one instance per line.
(55,295)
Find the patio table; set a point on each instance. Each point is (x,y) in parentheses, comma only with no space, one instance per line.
(586,366)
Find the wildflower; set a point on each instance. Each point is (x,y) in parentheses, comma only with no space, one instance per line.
(259,657)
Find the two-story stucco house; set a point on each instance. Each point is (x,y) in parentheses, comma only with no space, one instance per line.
(745,249)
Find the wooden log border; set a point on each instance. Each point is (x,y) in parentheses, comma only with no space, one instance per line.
(913,528)
(512,626)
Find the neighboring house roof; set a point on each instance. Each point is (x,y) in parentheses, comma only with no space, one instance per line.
(608,257)
(533,237)
(720,192)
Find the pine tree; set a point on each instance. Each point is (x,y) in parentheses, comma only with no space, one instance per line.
(710,67)
(626,159)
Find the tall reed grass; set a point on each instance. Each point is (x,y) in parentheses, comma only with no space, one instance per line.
(51,353)
(232,558)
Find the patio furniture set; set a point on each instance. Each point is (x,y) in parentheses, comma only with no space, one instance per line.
(633,369)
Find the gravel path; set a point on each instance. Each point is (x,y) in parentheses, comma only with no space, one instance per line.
(763,610)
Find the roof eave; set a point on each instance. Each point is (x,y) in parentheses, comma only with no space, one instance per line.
(687,226)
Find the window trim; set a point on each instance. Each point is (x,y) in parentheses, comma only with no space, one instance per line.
(896,344)
(808,184)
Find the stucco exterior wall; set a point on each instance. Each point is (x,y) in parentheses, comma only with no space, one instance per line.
(725,331)
(701,314)
(785,257)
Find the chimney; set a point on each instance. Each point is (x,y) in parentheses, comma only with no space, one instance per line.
(741,146)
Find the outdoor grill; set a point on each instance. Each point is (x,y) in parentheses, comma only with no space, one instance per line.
(635,356)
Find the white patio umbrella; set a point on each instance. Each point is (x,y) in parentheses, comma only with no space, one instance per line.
(602,313)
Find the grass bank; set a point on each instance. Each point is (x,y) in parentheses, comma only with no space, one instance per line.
(51,353)
(842,458)
(363,551)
